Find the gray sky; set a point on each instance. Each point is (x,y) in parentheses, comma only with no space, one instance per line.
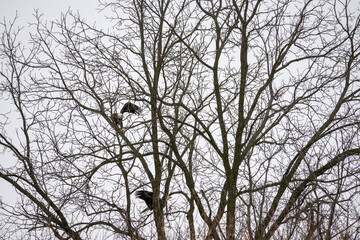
(52,10)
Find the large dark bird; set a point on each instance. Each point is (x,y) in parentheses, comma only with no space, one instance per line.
(148,198)
(130,108)
(117,119)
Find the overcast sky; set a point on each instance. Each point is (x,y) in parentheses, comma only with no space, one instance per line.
(52,10)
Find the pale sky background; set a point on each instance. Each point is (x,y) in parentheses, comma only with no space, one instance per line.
(52,10)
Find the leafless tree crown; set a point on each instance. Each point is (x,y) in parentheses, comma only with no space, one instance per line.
(250,121)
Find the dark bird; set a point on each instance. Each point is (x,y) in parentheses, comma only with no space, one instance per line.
(148,198)
(130,108)
(117,119)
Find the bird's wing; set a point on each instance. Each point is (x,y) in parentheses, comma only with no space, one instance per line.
(146,196)
(125,108)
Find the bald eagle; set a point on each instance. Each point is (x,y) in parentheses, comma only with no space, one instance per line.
(130,108)
(148,198)
(117,119)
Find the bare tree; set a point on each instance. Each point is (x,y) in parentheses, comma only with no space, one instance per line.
(250,121)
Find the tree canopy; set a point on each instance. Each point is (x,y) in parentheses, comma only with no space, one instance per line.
(250,120)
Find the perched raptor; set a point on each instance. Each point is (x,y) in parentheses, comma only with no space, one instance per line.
(129,107)
(148,198)
(117,119)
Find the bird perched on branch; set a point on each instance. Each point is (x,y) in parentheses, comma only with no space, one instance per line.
(117,119)
(130,108)
(148,198)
